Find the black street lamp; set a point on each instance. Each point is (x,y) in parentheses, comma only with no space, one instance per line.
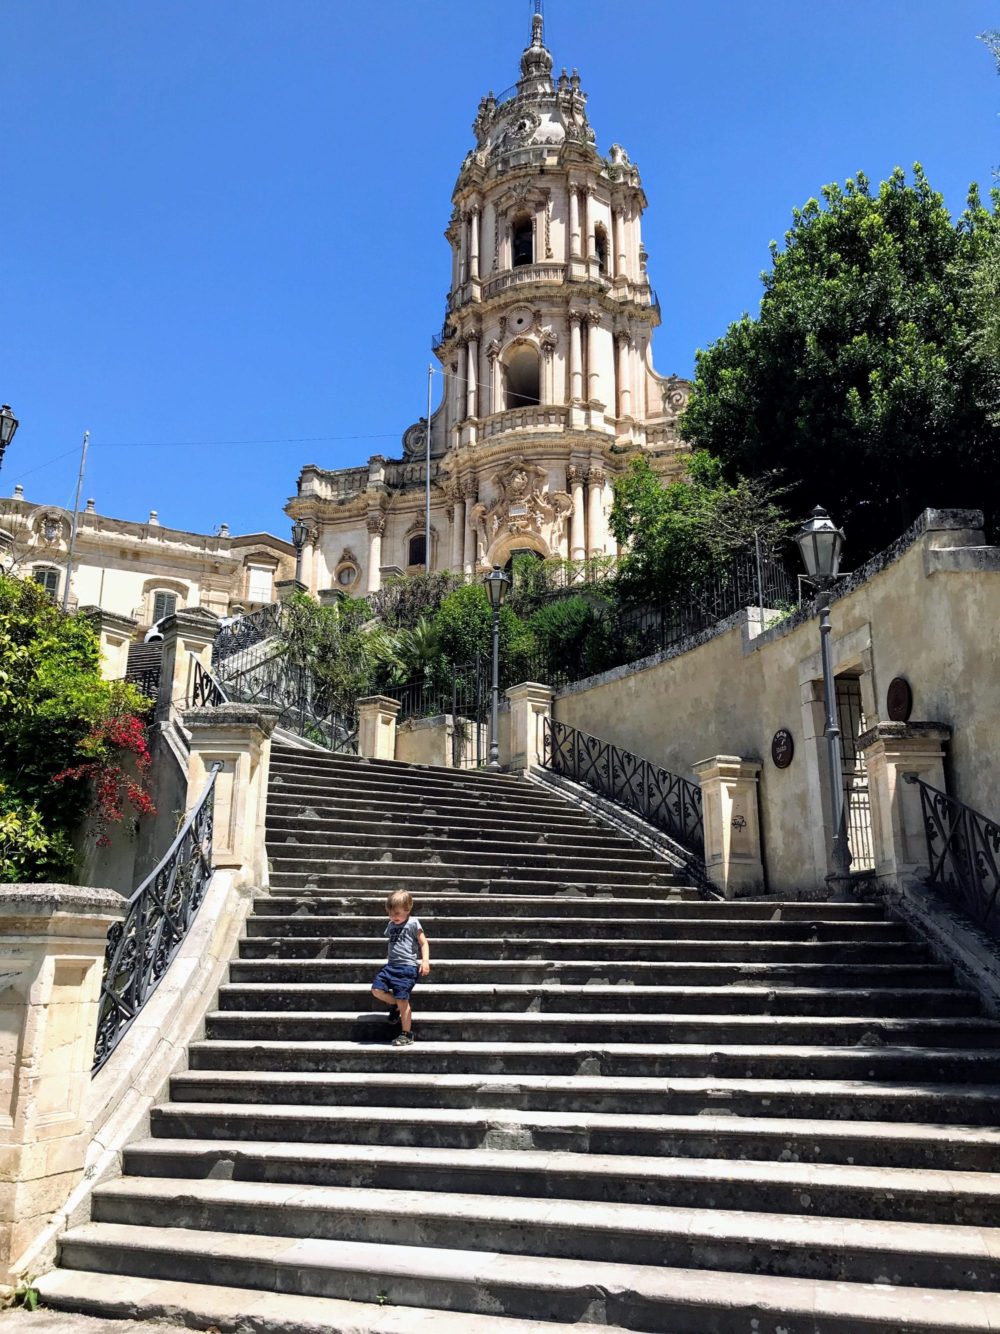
(820,541)
(300,531)
(8,425)
(496,584)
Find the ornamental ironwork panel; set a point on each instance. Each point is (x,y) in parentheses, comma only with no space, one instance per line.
(245,631)
(963,850)
(141,948)
(206,693)
(664,799)
(303,707)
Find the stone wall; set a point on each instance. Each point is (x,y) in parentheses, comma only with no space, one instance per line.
(927,609)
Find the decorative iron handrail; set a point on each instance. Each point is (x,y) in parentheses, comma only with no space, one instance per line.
(141,948)
(963,850)
(206,693)
(246,630)
(293,690)
(147,680)
(663,799)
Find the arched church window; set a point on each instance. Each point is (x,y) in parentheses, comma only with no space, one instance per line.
(417,550)
(601,246)
(523,242)
(522,379)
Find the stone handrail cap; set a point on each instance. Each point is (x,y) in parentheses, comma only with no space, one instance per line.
(381,702)
(44,900)
(264,716)
(904,732)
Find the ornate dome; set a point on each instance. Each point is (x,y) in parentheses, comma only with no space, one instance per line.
(536,60)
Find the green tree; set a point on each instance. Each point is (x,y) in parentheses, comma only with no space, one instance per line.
(465,624)
(870,378)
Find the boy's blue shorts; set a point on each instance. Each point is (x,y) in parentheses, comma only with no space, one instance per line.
(399,979)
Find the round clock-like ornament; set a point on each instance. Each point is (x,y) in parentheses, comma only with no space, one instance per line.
(899,700)
(782,748)
(520,319)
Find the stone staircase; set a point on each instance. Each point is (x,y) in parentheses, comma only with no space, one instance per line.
(627,1107)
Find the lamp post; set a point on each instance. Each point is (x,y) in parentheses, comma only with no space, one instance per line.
(300,531)
(820,542)
(8,425)
(496,584)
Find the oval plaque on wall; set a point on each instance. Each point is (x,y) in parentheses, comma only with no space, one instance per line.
(899,700)
(782,748)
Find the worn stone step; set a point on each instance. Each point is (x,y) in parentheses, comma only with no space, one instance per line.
(212,1306)
(808,1189)
(589,972)
(854,1100)
(264,942)
(323,809)
(926,1065)
(427,797)
(541,863)
(875,1143)
(441,837)
(319,873)
(352,767)
(600,928)
(831,1248)
(631,901)
(683,1301)
(618,1001)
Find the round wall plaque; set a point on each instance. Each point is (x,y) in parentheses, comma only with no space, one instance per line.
(782,748)
(899,700)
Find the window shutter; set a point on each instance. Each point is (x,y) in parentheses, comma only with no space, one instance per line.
(164,604)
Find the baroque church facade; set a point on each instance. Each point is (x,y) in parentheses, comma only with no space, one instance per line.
(546,353)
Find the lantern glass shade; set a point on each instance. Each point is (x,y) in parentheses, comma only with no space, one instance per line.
(820,541)
(299,531)
(8,425)
(496,584)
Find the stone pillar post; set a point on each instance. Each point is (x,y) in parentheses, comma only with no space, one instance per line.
(52,942)
(574,222)
(286,589)
(187,635)
(732,826)
(578,536)
(375,524)
(377,727)
(115,633)
(892,750)
(238,737)
(595,517)
(530,705)
(458,534)
(575,357)
(474,244)
(624,341)
(471,376)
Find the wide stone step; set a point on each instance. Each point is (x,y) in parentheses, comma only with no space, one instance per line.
(842,1249)
(427,798)
(488,877)
(589,972)
(392,833)
(874,1143)
(618,1002)
(469,851)
(649,902)
(213,1306)
(311,858)
(453,926)
(839,1030)
(924,1065)
(264,943)
(855,1100)
(805,1188)
(342,767)
(321,810)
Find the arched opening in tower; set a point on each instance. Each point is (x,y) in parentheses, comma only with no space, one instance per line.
(601,246)
(522,379)
(522,236)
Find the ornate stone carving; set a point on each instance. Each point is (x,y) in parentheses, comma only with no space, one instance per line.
(574,473)
(595,476)
(375,523)
(493,348)
(593,317)
(676,393)
(521,505)
(548,226)
(548,342)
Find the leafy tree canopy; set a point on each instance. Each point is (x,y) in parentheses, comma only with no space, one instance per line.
(871,377)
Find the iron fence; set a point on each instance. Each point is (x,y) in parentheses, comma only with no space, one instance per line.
(664,799)
(302,704)
(248,630)
(159,914)
(206,693)
(963,849)
(465,696)
(147,680)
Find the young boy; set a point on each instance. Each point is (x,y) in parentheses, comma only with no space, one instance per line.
(395,982)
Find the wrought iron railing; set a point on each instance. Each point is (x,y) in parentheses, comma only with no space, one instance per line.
(206,693)
(141,948)
(147,680)
(663,799)
(963,849)
(300,701)
(247,630)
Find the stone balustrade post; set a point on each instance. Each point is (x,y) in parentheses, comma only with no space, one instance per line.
(377,727)
(189,631)
(530,705)
(238,738)
(115,634)
(285,589)
(890,751)
(52,943)
(732,824)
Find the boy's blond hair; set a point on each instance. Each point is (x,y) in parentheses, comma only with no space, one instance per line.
(401,900)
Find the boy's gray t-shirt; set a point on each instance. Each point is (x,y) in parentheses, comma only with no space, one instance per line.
(404,947)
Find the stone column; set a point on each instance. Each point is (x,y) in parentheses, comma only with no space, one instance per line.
(115,634)
(594,359)
(732,826)
(621,258)
(469,560)
(578,536)
(377,727)
(591,224)
(375,523)
(898,829)
(187,635)
(548,387)
(458,534)
(624,341)
(52,943)
(463,252)
(496,397)
(237,737)
(471,376)
(574,222)
(530,705)
(596,536)
(474,244)
(575,357)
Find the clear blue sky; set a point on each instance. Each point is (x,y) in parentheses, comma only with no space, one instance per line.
(222,219)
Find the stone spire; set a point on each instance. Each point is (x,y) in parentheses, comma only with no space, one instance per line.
(536,62)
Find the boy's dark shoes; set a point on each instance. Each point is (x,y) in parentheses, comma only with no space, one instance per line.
(403,1040)
(393,1017)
